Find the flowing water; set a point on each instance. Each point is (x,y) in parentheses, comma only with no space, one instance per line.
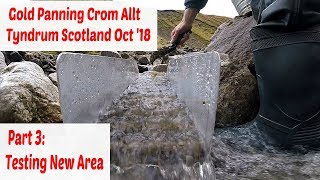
(153,137)
(243,153)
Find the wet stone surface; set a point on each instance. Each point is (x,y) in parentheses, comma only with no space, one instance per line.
(149,125)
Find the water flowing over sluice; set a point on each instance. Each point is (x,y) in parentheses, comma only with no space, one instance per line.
(153,137)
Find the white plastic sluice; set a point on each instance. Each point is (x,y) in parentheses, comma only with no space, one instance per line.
(196,79)
(89,84)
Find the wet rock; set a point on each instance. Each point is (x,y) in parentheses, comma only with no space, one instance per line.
(125,56)
(46,61)
(22,53)
(15,57)
(29,57)
(157,62)
(45,66)
(238,99)
(160,68)
(142,68)
(180,52)
(51,63)
(50,70)
(48,66)
(28,95)
(188,49)
(37,61)
(154,56)
(2,62)
(6,56)
(165,58)
(173,53)
(140,53)
(110,54)
(143,60)
(54,78)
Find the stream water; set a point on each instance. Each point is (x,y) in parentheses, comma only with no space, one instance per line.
(153,137)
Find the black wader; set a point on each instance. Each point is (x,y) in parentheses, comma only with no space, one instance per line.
(286,47)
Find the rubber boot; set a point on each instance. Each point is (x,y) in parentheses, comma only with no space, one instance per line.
(288,72)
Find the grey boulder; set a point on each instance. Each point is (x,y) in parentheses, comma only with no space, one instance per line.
(28,95)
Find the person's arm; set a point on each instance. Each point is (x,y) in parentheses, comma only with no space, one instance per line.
(195,4)
(192,9)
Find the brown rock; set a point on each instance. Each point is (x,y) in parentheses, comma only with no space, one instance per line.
(160,68)
(143,60)
(238,97)
(37,61)
(125,56)
(140,53)
(110,54)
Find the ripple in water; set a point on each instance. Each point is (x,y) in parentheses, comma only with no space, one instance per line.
(243,153)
